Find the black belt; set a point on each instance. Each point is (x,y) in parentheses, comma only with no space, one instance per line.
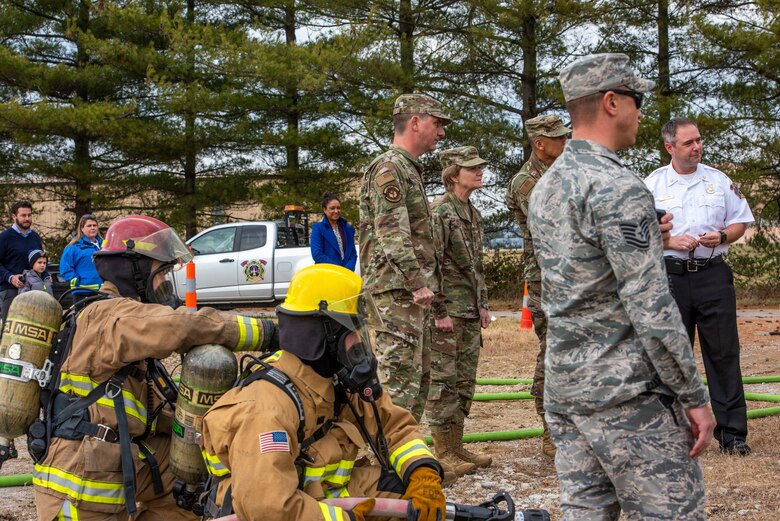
(677,266)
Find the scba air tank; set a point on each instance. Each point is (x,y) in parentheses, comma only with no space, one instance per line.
(208,372)
(33,320)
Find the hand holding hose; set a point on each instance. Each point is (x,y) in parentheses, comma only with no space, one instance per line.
(361,510)
(425,495)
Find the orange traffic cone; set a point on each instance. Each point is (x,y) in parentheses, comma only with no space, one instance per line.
(190,296)
(526,324)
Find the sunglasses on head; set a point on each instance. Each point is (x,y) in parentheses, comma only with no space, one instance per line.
(633,94)
(90,216)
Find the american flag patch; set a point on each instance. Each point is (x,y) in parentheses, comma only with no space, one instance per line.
(274,441)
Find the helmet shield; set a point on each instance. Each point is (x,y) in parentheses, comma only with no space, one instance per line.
(163,245)
(354,312)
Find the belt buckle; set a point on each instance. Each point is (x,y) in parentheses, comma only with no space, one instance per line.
(691,266)
(104,431)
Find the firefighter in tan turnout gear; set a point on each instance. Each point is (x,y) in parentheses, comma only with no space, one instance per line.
(276,465)
(109,459)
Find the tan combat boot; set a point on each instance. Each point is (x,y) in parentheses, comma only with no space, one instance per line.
(548,447)
(480,460)
(453,467)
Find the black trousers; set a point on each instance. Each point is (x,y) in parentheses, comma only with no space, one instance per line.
(707,302)
(6,297)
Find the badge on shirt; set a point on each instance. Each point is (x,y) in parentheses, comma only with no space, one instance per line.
(735,189)
(710,189)
(274,441)
(637,235)
(666,197)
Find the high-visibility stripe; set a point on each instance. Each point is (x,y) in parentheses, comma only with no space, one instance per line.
(213,465)
(74,285)
(273,358)
(78,488)
(335,473)
(331,513)
(406,451)
(336,492)
(248,333)
(68,512)
(81,385)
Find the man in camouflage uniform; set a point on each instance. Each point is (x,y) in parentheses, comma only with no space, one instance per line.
(397,250)
(626,407)
(457,337)
(548,137)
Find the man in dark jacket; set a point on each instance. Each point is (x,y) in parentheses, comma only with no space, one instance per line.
(16,243)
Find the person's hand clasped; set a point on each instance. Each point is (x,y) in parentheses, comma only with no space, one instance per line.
(702,427)
(16,281)
(423,297)
(445,324)
(683,243)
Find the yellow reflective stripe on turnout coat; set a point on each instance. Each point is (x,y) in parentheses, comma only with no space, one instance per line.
(231,438)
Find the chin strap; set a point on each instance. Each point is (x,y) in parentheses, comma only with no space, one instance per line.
(139,281)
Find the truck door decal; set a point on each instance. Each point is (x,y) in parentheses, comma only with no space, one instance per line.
(254,270)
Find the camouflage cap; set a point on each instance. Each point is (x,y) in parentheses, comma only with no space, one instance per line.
(420,104)
(549,126)
(461,156)
(597,72)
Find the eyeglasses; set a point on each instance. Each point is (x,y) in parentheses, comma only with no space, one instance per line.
(633,94)
(90,216)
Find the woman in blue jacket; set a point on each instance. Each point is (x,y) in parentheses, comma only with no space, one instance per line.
(76,264)
(332,239)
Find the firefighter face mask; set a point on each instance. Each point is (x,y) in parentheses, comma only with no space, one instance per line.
(357,364)
(159,287)
(354,358)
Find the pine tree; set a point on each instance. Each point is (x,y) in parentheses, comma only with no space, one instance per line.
(59,102)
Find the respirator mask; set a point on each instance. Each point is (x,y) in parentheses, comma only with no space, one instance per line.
(351,342)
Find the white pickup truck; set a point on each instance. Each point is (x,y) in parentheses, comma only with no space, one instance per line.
(246,262)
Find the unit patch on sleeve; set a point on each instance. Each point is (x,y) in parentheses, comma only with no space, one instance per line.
(736,191)
(274,441)
(392,193)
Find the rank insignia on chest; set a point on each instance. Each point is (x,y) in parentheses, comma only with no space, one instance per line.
(736,191)
(274,441)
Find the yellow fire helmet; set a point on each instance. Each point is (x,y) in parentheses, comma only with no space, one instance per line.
(330,290)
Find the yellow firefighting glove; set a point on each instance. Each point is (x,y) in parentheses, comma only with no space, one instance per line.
(361,510)
(426,498)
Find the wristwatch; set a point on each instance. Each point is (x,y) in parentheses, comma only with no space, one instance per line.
(723,237)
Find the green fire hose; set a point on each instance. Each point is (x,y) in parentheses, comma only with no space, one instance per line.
(19,480)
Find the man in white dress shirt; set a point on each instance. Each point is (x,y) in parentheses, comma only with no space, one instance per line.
(709,214)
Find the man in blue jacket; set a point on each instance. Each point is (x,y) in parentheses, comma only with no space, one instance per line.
(16,243)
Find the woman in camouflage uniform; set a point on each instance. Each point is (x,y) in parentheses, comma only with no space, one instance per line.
(461,311)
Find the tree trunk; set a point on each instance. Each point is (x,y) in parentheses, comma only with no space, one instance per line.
(664,81)
(292,147)
(190,151)
(406,27)
(81,157)
(530,72)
